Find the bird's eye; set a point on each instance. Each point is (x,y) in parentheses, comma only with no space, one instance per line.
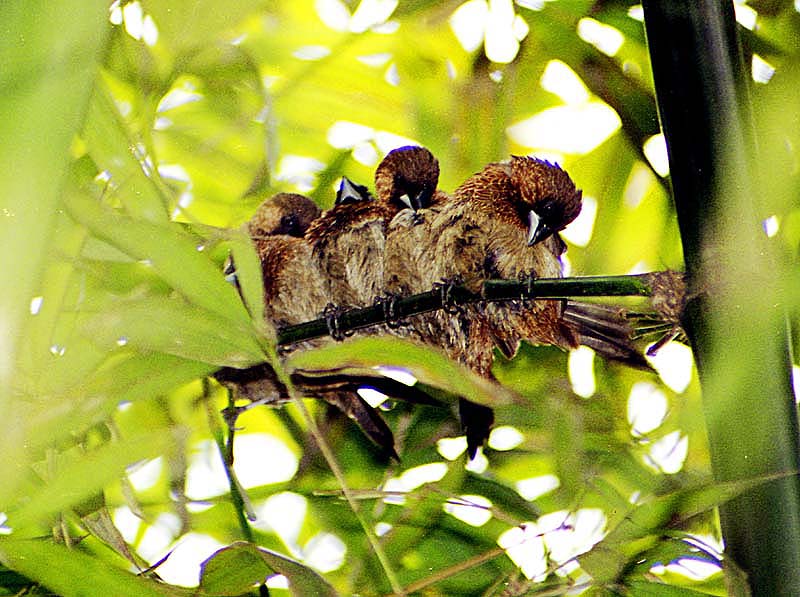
(290,225)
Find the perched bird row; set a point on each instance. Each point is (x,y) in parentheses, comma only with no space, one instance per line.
(502,222)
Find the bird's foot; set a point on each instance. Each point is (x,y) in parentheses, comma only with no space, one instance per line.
(445,288)
(332,315)
(388,302)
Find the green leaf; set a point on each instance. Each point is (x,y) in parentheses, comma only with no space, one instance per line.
(645,523)
(170,252)
(110,145)
(184,25)
(248,275)
(83,474)
(236,569)
(69,572)
(428,365)
(50,52)
(171,326)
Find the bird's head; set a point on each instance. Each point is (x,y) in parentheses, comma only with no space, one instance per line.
(407,178)
(284,213)
(547,196)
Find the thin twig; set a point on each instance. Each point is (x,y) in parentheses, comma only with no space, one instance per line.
(333,464)
(244,511)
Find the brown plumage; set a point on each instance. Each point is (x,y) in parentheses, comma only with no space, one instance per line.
(293,286)
(514,211)
(294,292)
(409,269)
(347,243)
(503,222)
(349,240)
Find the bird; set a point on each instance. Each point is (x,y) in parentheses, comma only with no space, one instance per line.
(349,240)
(294,292)
(408,269)
(504,222)
(512,213)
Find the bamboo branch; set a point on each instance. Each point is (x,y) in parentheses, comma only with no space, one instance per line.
(493,290)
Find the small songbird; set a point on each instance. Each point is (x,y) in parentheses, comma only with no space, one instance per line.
(413,176)
(294,292)
(344,241)
(503,222)
(349,239)
(519,207)
(293,286)
(409,269)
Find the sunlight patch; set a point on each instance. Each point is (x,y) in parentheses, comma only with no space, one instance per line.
(182,567)
(673,363)
(404,376)
(668,454)
(580,368)
(557,537)
(372,396)
(525,547)
(333,13)
(655,150)
(283,514)
(451,447)
(579,231)
(746,16)
(647,407)
(412,479)
(371,13)
(604,37)
(250,465)
(158,536)
(145,475)
(324,552)
(568,129)
(535,487)
(127,523)
(311,52)
(479,464)
(762,70)
(560,79)
(36,305)
(468,23)
(475,510)
(504,31)
(639,182)
(505,437)
(299,170)
(771,226)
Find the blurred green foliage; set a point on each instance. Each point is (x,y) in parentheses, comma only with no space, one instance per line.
(128,164)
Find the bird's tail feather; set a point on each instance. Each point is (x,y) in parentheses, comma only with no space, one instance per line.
(605,329)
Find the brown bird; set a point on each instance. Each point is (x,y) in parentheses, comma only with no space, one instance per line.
(294,292)
(349,240)
(513,212)
(503,222)
(293,286)
(409,269)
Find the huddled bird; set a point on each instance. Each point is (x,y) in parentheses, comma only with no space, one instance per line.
(502,222)
(294,292)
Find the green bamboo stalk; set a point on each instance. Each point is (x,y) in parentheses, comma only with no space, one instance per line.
(493,290)
(735,315)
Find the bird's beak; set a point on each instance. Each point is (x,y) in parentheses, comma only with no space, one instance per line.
(537,229)
(348,192)
(407,201)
